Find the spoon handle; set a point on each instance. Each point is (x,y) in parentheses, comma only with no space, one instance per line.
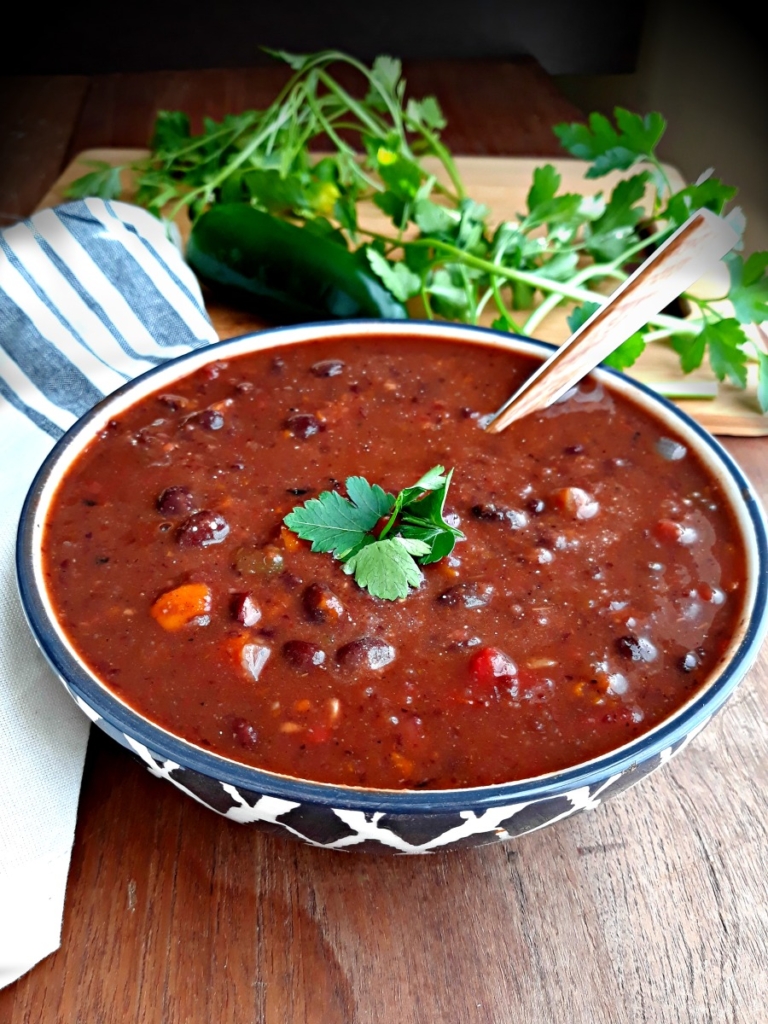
(683,258)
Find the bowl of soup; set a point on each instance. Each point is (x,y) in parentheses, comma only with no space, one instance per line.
(606,594)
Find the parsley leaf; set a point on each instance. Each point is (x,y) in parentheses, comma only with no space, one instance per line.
(726,356)
(386,71)
(103,182)
(624,355)
(762,380)
(426,111)
(401,281)
(724,340)
(580,314)
(386,566)
(749,287)
(612,232)
(171,132)
(385,569)
(627,353)
(641,134)
(337,524)
(691,349)
(710,193)
(608,149)
(297,61)
(544,206)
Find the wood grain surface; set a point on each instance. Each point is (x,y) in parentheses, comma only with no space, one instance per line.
(650,910)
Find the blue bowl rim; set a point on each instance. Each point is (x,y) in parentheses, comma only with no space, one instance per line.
(167,747)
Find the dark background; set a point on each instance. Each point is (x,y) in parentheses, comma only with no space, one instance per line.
(701,64)
(92,36)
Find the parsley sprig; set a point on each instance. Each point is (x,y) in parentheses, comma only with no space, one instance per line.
(415,533)
(443,254)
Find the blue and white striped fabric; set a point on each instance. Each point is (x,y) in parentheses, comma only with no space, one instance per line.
(92,293)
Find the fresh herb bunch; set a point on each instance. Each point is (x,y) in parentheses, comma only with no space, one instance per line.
(386,562)
(442,249)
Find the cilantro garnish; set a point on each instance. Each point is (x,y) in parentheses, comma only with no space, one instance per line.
(415,533)
(442,251)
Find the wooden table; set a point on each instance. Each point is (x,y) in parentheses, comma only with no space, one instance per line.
(651,909)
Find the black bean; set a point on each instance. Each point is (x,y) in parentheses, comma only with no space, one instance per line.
(302,655)
(208,419)
(517,520)
(328,368)
(635,648)
(535,506)
(691,660)
(467,595)
(202,530)
(176,501)
(489,512)
(321,604)
(368,652)
(573,449)
(212,370)
(303,425)
(244,609)
(173,402)
(244,733)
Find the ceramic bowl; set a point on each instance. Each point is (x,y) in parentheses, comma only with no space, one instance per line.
(344,818)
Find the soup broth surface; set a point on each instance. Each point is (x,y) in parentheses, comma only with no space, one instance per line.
(599,582)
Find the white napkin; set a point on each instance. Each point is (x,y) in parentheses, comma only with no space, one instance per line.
(92,293)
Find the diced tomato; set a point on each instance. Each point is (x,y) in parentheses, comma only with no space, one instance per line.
(318,733)
(669,532)
(489,670)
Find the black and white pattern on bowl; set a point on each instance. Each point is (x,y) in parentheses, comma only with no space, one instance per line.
(381,831)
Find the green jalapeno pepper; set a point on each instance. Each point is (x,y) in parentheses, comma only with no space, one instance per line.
(283,272)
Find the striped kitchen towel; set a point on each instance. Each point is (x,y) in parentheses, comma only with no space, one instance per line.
(92,293)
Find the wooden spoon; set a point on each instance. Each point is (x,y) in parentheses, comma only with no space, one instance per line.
(683,258)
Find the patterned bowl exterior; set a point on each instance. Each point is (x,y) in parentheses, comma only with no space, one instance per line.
(379,821)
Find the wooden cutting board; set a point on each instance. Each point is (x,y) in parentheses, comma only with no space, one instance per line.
(502,183)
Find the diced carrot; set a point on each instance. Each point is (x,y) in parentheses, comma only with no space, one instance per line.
(447,570)
(403,764)
(185,605)
(289,540)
